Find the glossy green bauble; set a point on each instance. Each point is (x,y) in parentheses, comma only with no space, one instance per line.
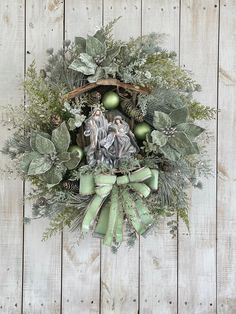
(76,149)
(110,100)
(141,130)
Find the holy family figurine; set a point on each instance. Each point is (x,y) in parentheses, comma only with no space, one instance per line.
(109,142)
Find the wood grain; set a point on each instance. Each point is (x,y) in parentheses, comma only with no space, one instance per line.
(42,267)
(81,259)
(197,250)
(11,191)
(158,252)
(226,224)
(148,277)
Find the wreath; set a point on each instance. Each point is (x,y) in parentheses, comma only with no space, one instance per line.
(109,137)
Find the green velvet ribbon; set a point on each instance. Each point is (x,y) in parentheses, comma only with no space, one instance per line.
(110,221)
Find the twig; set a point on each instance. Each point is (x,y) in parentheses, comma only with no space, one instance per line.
(106,82)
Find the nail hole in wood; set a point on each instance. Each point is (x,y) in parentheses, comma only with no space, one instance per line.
(28,53)
(82,301)
(215,5)
(174,7)
(170,302)
(211,304)
(134,300)
(16,305)
(92,302)
(204,8)
(162,9)
(41,304)
(29,304)
(185,302)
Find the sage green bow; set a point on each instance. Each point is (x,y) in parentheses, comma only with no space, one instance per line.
(110,222)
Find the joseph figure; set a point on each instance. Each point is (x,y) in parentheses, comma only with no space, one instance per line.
(96,127)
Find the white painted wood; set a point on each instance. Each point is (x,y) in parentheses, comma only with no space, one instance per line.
(42,260)
(120,272)
(81,258)
(158,253)
(11,191)
(226,225)
(197,251)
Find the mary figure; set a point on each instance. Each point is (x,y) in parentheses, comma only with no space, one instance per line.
(120,142)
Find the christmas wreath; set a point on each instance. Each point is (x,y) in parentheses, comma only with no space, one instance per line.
(108,137)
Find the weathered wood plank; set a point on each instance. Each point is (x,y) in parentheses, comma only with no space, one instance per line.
(11,191)
(226,224)
(120,271)
(81,261)
(42,269)
(197,251)
(158,252)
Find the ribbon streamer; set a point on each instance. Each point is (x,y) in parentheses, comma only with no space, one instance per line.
(110,221)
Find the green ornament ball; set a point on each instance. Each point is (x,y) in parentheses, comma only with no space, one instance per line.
(76,149)
(110,100)
(141,130)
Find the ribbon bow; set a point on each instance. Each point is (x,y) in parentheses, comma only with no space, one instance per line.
(110,222)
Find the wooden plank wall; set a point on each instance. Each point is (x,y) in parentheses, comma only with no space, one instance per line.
(193,273)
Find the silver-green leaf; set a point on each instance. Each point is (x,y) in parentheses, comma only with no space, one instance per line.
(43,145)
(26,160)
(54,175)
(182,144)
(179,115)
(61,138)
(161,120)
(159,138)
(39,165)
(94,47)
(190,129)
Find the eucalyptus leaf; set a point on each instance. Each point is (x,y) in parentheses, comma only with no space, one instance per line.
(159,138)
(39,165)
(94,47)
(61,138)
(182,144)
(43,145)
(161,120)
(190,129)
(75,159)
(179,115)
(26,160)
